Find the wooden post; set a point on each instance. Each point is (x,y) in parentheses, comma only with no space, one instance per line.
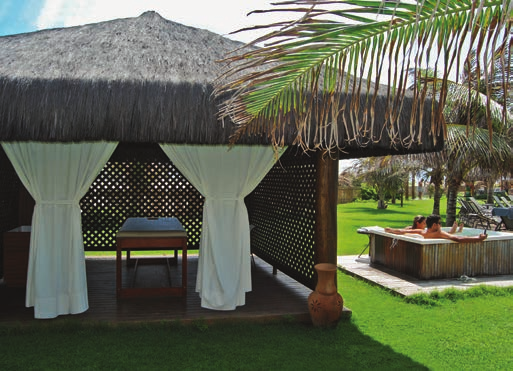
(326,210)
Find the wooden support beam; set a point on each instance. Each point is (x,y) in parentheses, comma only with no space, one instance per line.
(326,210)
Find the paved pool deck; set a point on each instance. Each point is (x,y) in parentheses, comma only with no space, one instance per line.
(405,285)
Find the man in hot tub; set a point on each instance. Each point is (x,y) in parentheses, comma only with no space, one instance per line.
(434,230)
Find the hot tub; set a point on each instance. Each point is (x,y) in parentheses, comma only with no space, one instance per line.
(441,258)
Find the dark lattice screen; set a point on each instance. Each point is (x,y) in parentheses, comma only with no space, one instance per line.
(10,187)
(282,209)
(138,181)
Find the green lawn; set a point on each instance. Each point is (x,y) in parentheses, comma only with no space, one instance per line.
(384,333)
(444,331)
(471,333)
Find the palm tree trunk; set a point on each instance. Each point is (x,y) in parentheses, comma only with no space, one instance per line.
(413,186)
(381,199)
(436,198)
(437,180)
(452,195)
(489,191)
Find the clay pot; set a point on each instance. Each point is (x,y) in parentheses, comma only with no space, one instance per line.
(325,303)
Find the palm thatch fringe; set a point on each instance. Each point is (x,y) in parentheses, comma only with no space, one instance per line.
(133,111)
(150,80)
(66,110)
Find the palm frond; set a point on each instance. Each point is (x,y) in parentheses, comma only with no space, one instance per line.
(476,151)
(314,72)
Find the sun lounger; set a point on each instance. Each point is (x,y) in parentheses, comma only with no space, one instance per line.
(479,219)
(498,201)
(506,201)
(506,215)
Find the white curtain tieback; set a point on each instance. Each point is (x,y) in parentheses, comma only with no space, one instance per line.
(225,198)
(57,202)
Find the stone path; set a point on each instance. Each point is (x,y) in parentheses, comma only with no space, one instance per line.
(406,285)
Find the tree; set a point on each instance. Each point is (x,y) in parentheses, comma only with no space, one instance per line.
(346,178)
(467,111)
(385,174)
(307,65)
(464,154)
(434,165)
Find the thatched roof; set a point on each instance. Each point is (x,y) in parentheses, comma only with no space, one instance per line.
(143,79)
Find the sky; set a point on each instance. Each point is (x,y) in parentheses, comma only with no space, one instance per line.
(219,16)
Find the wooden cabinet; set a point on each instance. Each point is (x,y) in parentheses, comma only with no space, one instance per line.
(16,253)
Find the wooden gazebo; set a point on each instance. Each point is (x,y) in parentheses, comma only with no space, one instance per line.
(142,82)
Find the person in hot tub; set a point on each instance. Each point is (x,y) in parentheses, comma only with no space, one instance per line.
(434,230)
(419,222)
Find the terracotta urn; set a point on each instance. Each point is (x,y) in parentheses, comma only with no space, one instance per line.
(325,303)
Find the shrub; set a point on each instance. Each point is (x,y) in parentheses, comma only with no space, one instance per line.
(368,193)
(431,190)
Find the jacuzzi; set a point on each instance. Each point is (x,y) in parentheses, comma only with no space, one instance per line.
(441,258)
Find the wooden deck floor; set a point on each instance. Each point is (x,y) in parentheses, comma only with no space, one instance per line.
(273,296)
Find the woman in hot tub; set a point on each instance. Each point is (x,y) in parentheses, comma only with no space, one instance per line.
(434,230)
(419,222)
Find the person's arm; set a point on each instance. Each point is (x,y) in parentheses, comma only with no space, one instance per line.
(456,238)
(403,231)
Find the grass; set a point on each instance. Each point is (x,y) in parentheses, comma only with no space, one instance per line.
(449,330)
(461,332)
(247,346)
(384,333)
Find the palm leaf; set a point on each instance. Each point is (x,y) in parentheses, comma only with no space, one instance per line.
(310,71)
(465,105)
(468,153)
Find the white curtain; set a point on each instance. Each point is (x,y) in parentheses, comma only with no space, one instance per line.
(57,176)
(224,177)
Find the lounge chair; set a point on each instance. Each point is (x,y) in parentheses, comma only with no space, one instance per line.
(485,209)
(506,215)
(480,219)
(466,215)
(498,201)
(506,201)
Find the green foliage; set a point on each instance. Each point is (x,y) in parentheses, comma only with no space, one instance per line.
(368,192)
(481,196)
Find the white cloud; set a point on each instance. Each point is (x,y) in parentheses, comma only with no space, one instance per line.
(221,16)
